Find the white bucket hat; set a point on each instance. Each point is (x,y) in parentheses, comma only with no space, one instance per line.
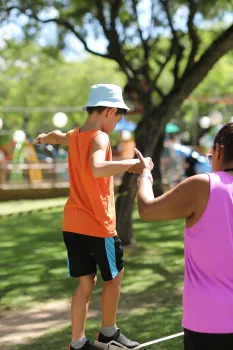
(106,95)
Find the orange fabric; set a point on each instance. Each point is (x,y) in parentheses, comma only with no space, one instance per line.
(90,208)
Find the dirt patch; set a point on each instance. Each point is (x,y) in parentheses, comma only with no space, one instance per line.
(20,327)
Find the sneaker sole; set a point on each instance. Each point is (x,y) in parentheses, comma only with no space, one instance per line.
(101,345)
(112,345)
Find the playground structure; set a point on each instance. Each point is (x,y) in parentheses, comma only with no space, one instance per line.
(25,166)
(7,150)
(23,163)
(25,152)
(18,153)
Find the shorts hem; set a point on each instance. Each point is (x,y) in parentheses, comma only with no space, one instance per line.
(82,275)
(99,235)
(112,278)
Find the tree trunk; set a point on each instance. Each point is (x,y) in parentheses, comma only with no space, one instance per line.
(149,130)
(124,208)
(157,176)
(128,189)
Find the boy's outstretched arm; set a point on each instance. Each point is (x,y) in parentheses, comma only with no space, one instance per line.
(54,138)
(101,167)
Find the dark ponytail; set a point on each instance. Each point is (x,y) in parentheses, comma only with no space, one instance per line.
(225,137)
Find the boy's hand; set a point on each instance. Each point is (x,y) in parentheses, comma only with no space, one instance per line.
(55,137)
(139,167)
(41,139)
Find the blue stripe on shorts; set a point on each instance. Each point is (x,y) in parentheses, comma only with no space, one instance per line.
(68,265)
(111,255)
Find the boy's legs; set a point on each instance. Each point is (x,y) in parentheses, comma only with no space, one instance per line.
(83,266)
(108,254)
(110,300)
(80,304)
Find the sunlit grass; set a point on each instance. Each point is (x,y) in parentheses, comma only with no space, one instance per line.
(33,270)
(11,207)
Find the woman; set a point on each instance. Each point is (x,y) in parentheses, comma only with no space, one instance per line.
(206,202)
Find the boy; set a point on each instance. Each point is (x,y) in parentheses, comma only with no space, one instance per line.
(89,214)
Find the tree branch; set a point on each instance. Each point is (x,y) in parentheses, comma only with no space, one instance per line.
(66,24)
(192,78)
(144,42)
(114,45)
(111,34)
(165,5)
(178,48)
(159,91)
(179,56)
(101,17)
(152,20)
(114,12)
(145,66)
(163,65)
(193,36)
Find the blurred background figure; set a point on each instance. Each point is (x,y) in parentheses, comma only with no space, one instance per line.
(189,166)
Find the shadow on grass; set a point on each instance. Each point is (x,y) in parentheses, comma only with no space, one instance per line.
(33,269)
(34,262)
(143,326)
(33,259)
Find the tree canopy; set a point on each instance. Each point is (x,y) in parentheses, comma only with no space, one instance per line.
(146,38)
(159,45)
(33,86)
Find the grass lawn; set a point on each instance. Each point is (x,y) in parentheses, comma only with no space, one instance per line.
(33,269)
(11,207)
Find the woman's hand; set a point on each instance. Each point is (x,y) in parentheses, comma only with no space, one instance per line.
(139,167)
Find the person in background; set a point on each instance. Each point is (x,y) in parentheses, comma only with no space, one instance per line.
(189,166)
(206,203)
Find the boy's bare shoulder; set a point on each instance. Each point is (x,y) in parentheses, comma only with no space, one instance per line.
(67,136)
(70,132)
(101,141)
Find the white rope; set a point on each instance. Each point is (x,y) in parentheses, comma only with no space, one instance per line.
(160,340)
(117,346)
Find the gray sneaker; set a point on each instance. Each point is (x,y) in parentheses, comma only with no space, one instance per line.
(117,340)
(86,346)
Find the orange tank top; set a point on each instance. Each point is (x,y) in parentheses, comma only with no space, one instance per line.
(90,208)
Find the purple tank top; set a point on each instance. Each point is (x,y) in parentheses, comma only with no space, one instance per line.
(208,282)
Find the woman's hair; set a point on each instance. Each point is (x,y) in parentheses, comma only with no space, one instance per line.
(100,109)
(225,137)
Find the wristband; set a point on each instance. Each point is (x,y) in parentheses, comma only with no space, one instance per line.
(146,171)
(149,176)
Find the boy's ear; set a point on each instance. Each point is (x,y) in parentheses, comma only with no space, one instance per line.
(111,112)
(114,111)
(106,112)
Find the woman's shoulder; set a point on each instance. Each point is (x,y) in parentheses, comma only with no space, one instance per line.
(197,185)
(199,180)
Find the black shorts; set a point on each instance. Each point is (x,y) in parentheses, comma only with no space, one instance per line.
(86,252)
(206,341)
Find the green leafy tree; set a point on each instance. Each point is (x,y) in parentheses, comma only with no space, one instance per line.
(213,94)
(39,82)
(218,82)
(151,41)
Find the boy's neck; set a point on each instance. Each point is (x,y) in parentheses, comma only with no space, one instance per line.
(92,122)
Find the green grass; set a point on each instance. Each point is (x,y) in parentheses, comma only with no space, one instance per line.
(11,207)
(33,270)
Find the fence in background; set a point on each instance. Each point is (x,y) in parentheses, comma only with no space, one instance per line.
(33,174)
